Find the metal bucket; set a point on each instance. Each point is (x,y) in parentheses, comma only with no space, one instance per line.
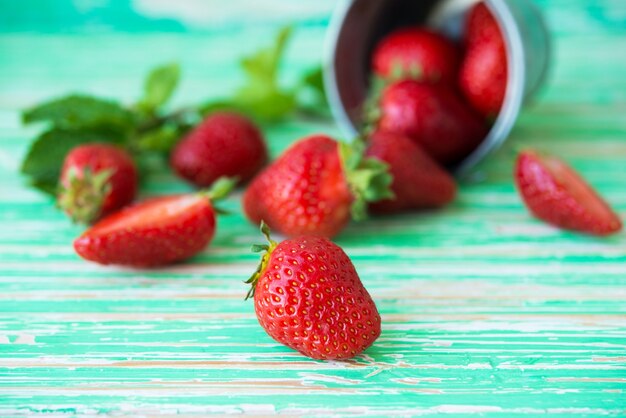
(357,25)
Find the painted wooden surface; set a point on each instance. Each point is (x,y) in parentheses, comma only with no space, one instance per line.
(485,310)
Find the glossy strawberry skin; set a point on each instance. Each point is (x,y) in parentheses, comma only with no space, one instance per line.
(309,297)
(304,192)
(418,181)
(157,231)
(434,56)
(97,158)
(483,75)
(556,194)
(224,144)
(434,117)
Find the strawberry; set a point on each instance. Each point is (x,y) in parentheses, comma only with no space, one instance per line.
(224,144)
(556,194)
(96,179)
(418,181)
(312,188)
(309,297)
(416,51)
(434,117)
(483,75)
(157,231)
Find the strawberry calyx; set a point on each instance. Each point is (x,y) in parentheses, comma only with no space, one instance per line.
(369,178)
(219,190)
(83,193)
(267,251)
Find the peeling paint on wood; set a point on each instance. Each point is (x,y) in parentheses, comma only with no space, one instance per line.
(486,311)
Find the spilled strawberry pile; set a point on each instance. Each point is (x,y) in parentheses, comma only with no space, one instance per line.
(430,106)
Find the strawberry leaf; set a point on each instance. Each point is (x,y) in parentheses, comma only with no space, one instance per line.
(368,178)
(80,112)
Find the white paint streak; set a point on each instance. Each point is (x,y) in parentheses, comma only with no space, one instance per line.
(26,339)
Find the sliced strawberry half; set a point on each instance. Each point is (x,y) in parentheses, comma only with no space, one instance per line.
(556,194)
(157,231)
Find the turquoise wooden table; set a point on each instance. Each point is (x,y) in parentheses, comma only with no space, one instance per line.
(486,312)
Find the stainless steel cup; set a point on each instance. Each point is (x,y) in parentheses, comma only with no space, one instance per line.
(357,25)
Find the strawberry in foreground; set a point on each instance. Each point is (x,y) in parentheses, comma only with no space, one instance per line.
(314,186)
(96,179)
(309,297)
(416,51)
(224,144)
(418,181)
(157,231)
(556,194)
(483,75)
(434,117)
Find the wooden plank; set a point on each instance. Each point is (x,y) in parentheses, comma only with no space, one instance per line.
(486,312)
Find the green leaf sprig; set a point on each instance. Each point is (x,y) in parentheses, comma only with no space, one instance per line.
(148,129)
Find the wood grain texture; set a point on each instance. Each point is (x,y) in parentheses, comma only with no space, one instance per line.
(486,312)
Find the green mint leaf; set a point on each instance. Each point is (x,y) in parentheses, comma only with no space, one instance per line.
(311,94)
(45,187)
(261,95)
(222,105)
(162,139)
(265,104)
(80,112)
(159,86)
(263,65)
(314,79)
(42,164)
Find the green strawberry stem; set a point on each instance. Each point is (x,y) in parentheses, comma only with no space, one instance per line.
(369,178)
(219,190)
(257,248)
(83,196)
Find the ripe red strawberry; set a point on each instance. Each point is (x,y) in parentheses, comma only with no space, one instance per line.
(556,194)
(224,144)
(419,51)
(434,117)
(312,187)
(418,181)
(483,75)
(308,296)
(480,25)
(157,231)
(96,179)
